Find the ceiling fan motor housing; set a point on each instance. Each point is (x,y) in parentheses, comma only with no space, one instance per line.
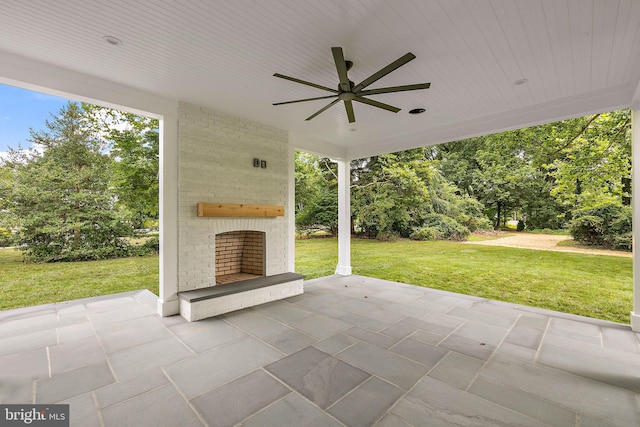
(351,86)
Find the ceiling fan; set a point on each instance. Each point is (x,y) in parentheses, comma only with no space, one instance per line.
(348,91)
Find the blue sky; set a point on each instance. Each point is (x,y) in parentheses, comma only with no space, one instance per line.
(22,109)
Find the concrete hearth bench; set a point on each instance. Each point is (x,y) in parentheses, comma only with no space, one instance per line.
(215,300)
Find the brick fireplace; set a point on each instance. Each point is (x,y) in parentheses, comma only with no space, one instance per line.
(239,255)
(233,259)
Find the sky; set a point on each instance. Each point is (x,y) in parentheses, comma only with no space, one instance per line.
(21,109)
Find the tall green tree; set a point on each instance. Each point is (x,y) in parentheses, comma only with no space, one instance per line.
(134,148)
(308,178)
(7,218)
(594,167)
(6,186)
(501,172)
(389,192)
(543,173)
(316,193)
(61,193)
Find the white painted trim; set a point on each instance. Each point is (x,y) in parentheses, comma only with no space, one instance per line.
(343,270)
(168,308)
(29,74)
(316,146)
(635,102)
(344,218)
(635,179)
(168,299)
(635,321)
(291,208)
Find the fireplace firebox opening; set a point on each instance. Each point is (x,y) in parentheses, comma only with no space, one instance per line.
(239,255)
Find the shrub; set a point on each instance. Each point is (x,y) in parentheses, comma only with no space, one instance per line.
(85,252)
(588,229)
(425,233)
(471,215)
(483,224)
(556,232)
(322,212)
(6,238)
(624,242)
(150,247)
(447,227)
(608,225)
(622,224)
(520,226)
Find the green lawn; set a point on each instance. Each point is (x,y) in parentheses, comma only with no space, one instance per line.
(24,285)
(589,285)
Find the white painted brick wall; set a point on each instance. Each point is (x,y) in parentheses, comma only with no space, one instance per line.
(216,153)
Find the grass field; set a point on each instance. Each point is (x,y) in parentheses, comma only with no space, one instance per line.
(24,285)
(588,285)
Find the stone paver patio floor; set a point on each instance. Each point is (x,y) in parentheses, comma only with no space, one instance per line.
(351,351)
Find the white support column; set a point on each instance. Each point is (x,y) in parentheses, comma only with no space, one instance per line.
(168,304)
(291,209)
(635,181)
(344,218)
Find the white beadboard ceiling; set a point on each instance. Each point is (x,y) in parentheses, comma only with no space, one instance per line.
(578,56)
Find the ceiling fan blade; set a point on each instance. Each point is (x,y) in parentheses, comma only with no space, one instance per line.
(303,100)
(394,89)
(350,114)
(377,104)
(383,72)
(323,109)
(341,67)
(293,79)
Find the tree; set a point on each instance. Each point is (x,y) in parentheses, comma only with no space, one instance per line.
(62,195)
(308,178)
(7,219)
(320,212)
(134,148)
(594,168)
(398,194)
(493,169)
(540,175)
(316,193)
(389,193)
(545,172)
(6,186)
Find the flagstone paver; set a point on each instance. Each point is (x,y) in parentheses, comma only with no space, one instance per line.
(342,354)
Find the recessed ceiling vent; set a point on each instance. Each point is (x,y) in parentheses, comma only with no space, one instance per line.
(113,41)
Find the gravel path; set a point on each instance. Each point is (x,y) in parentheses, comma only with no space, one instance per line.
(544,242)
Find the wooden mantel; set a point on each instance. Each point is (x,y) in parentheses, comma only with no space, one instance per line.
(239,210)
